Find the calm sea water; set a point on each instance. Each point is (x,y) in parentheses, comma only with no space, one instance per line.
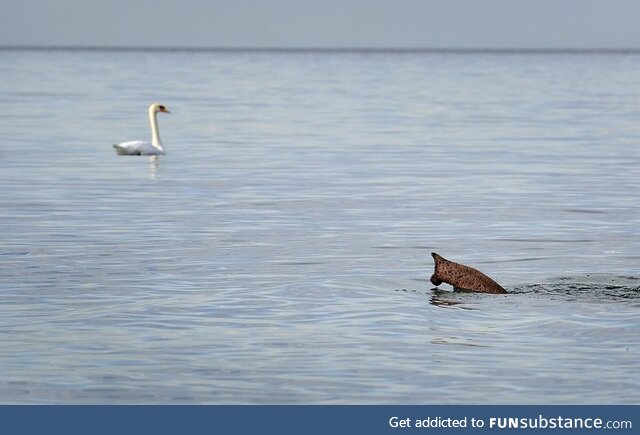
(280,251)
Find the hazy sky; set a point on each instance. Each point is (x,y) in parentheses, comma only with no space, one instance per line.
(323,23)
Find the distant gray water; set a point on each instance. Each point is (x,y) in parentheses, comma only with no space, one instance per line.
(279,253)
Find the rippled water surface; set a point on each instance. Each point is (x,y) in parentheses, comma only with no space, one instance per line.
(280,251)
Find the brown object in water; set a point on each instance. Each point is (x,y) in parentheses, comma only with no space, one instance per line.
(463,277)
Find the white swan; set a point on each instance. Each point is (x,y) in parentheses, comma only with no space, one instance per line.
(141,147)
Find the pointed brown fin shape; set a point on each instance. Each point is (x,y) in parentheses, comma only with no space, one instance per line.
(462,277)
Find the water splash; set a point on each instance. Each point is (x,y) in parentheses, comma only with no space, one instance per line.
(592,287)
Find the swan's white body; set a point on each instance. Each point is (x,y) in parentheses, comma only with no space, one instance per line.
(141,147)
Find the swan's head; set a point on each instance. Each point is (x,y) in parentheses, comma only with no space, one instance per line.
(157,107)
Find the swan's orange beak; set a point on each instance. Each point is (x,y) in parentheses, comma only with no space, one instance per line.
(162,109)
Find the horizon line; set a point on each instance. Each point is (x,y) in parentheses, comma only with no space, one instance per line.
(496,50)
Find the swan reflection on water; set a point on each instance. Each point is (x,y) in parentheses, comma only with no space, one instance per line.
(154,162)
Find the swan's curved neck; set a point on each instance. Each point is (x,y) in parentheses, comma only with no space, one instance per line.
(155,133)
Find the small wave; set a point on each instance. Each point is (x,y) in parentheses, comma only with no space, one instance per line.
(584,210)
(542,240)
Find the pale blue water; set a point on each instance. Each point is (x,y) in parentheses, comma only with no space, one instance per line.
(279,253)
